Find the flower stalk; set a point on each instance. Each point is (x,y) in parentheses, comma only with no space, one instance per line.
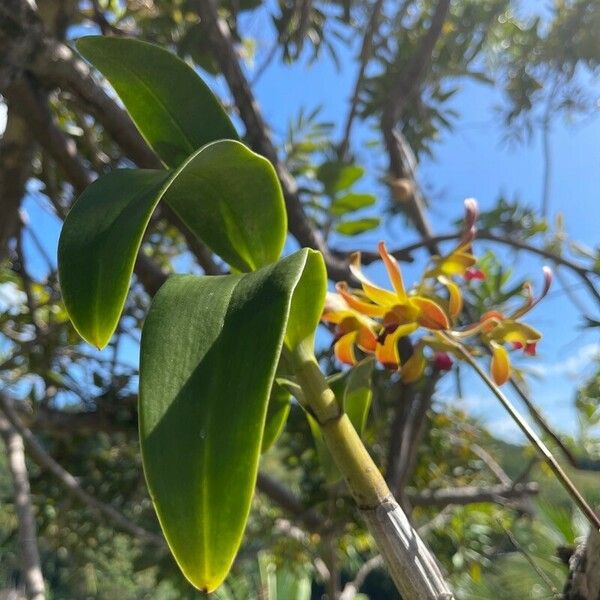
(528,431)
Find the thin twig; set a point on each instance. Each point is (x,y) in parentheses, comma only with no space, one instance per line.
(529,433)
(366,53)
(519,548)
(70,483)
(405,254)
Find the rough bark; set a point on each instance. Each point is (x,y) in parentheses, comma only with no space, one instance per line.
(583,582)
(16,152)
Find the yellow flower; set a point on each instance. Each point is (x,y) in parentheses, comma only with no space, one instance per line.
(460,260)
(350,328)
(499,330)
(396,313)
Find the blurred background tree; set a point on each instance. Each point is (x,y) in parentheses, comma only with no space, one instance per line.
(496,520)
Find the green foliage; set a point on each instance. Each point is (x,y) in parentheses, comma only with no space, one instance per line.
(81,403)
(217,188)
(277,414)
(172,107)
(192,405)
(98,247)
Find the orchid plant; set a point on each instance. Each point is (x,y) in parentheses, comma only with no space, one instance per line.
(220,355)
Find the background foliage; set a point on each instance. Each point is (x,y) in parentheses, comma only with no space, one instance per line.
(492,515)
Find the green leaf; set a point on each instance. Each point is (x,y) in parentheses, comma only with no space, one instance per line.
(307,304)
(357,393)
(209,352)
(352,390)
(277,414)
(98,246)
(174,110)
(358,226)
(231,198)
(350,203)
(337,176)
(226,194)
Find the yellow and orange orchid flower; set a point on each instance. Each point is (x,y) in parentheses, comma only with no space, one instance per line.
(395,312)
(373,319)
(351,329)
(460,261)
(499,330)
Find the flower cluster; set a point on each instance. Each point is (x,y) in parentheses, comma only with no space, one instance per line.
(373,319)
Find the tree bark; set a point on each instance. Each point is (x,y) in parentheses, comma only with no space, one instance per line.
(27,534)
(583,582)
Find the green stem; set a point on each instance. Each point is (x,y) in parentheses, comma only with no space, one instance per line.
(364,479)
(411,565)
(531,435)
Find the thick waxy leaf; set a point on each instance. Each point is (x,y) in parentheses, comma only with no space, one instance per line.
(307,304)
(230,197)
(172,107)
(210,348)
(225,193)
(277,414)
(98,245)
(353,391)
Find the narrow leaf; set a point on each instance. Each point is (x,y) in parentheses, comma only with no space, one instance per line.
(277,414)
(351,203)
(175,111)
(337,176)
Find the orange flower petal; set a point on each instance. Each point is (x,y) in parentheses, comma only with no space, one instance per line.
(344,348)
(432,314)
(413,368)
(372,291)
(500,366)
(401,314)
(387,353)
(490,319)
(366,340)
(365,308)
(393,269)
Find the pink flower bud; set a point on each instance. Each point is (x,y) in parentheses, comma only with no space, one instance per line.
(474,274)
(442,361)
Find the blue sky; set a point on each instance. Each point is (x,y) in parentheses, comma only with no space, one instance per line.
(472,161)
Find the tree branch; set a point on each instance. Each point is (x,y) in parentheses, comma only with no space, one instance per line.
(70,483)
(16,152)
(402,89)
(290,503)
(366,53)
(28,546)
(499,494)
(259,135)
(405,254)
